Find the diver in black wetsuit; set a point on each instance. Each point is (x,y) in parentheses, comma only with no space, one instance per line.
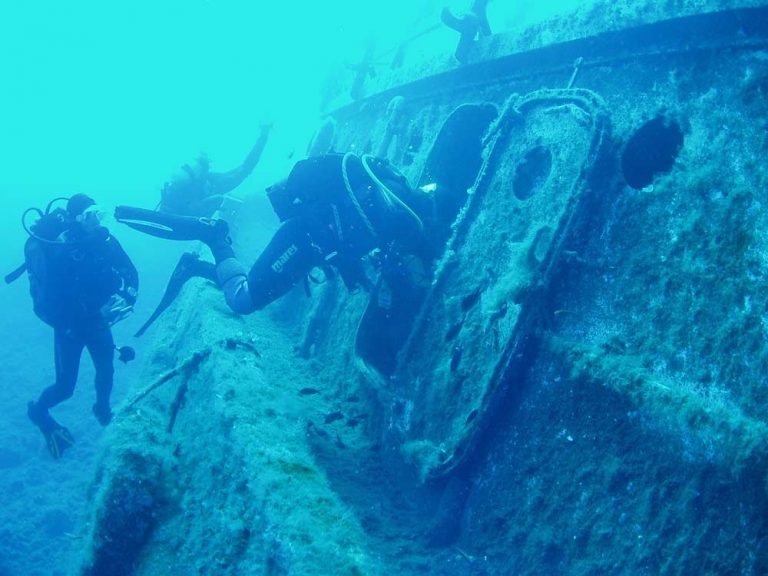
(82,282)
(471,25)
(335,209)
(198,192)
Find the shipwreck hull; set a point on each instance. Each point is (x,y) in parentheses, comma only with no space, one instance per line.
(506,242)
(581,385)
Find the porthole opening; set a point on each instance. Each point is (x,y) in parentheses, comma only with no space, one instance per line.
(652,150)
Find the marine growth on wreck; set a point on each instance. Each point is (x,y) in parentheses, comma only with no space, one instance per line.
(578,385)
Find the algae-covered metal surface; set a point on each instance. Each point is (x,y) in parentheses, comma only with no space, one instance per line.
(581,387)
(539,156)
(209,470)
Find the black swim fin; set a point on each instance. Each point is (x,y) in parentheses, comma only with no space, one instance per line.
(58,440)
(189,266)
(172,226)
(57,437)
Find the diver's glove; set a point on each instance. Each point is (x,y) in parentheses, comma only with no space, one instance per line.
(213,230)
(116,309)
(216,236)
(129,294)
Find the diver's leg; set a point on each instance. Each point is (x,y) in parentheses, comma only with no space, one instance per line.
(288,258)
(68,347)
(101,347)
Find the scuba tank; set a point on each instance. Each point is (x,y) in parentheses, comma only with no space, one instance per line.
(48,226)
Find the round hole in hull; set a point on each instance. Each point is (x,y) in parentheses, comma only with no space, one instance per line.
(651,151)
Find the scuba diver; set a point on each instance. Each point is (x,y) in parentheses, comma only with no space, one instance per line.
(81,282)
(198,192)
(470,26)
(335,210)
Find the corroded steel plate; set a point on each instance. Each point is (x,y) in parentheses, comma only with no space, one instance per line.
(505,244)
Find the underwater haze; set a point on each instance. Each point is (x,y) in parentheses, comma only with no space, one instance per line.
(111,99)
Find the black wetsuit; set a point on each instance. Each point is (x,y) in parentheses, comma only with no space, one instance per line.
(86,273)
(333,214)
(202,192)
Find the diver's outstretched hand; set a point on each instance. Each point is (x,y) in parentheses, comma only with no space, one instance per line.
(214,232)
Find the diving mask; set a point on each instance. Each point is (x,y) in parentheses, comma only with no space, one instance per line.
(94,215)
